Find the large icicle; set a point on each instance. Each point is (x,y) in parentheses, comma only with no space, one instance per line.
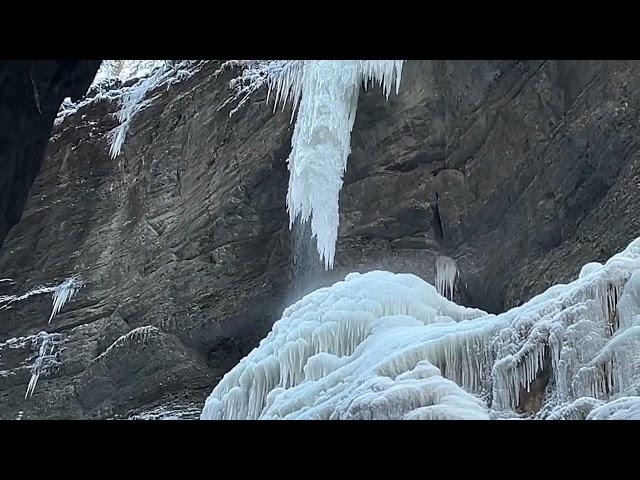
(327,92)
(325,95)
(321,144)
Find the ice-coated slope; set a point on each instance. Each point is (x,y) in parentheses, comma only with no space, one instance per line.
(353,350)
(387,346)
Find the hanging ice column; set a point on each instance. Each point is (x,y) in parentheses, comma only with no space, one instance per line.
(327,93)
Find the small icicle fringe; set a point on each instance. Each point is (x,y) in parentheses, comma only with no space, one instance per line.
(106,86)
(134,99)
(446,276)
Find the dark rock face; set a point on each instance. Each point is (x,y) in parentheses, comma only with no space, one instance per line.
(30,95)
(185,232)
(521,171)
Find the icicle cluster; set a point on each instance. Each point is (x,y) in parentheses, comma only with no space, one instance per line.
(576,331)
(61,294)
(44,358)
(381,345)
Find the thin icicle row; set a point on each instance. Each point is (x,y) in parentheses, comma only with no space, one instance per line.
(255,74)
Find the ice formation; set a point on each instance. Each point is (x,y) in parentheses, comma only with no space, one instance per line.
(124,70)
(107,85)
(325,94)
(625,408)
(579,409)
(69,108)
(446,275)
(134,99)
(61,294)
(384,345)
(44,358)
(353,350)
